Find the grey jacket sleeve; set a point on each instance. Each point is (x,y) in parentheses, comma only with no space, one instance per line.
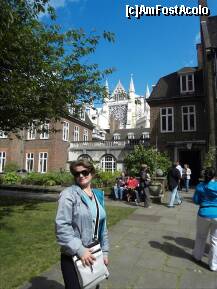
(64,225)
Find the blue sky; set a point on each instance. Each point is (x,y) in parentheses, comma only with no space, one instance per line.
(148,48)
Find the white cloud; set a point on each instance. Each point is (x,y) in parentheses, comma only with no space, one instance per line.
(60,3)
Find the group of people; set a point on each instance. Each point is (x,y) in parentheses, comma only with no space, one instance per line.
(132,188)
(176,177)
(80,203)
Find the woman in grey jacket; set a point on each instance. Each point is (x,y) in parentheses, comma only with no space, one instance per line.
(75,222)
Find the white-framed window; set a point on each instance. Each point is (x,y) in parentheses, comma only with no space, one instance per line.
(108,163)
(65,131)
(166,119)
(44,131)
(130,135)
(188,118)
(30,162)
(42,162)
(187,82)
(85,135)
(31,132)
(76,133)
(116,136)
(2,134)
(145,135)
(2,161)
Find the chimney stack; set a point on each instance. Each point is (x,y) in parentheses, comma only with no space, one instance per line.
(203,3)
(200,55)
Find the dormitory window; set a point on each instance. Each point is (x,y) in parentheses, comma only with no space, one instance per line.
(65,131)
(30,162)
(85,135)
(42,162)
(188,118)
(130,135)
(76,133)
(167,122)
(44,131)
(31,132)
(116,136)
(145,135)
(2,134)
(187,83)
(82,114)
(2,161)
(108,164)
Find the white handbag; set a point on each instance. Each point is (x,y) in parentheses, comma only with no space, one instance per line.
(90,276)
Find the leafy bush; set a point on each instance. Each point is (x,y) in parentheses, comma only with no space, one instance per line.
(48,179)
(105,179)
(11,167)
(151,157)
(11,178)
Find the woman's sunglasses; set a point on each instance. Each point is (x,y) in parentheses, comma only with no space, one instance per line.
(84,173)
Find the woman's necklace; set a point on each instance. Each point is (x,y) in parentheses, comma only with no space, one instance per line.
(89,193)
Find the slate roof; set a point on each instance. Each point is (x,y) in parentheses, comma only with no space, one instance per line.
(168,87)
(212,30)
(124,132)
(86,123)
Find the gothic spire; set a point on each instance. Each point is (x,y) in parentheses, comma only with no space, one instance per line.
(132,88)
(147,93)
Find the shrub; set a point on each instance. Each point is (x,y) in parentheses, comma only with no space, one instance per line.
(154,159)
(11,167)
(105,179)
(11,178)
(48,179)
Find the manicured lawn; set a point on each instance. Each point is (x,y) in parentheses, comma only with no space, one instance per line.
(27,240)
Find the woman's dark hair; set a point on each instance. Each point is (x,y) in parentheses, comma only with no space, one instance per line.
(209,174)
(84,163)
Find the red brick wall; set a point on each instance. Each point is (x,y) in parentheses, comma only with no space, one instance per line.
(55,146)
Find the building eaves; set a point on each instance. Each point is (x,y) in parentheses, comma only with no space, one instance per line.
(168,87)
(86,123)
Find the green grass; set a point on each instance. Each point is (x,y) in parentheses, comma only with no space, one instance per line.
(27,240)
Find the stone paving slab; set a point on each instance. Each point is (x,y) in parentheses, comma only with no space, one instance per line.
(149,250)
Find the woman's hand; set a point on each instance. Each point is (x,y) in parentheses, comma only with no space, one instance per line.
(87,258)
(106,261)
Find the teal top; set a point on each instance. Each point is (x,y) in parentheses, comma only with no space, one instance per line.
(92,206)
(206,197)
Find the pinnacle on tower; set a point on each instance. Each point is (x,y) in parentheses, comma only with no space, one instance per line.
(107,89)
(132,88)
(147,93)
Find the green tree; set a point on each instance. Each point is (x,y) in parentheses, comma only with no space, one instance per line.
(154,159)
(43,71)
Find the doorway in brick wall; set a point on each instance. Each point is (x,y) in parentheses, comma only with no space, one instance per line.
(193,158)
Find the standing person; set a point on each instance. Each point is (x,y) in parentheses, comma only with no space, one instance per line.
(173,182)
(206,197)
(75,222)
(144,183)
(186,176)
(119,187)
(179,167)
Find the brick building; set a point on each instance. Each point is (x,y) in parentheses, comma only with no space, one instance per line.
(43,151)
(183,105)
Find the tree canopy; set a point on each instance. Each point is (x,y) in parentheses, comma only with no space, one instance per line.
(149,156)
(43,71)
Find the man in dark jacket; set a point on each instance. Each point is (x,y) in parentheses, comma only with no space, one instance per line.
(173,182)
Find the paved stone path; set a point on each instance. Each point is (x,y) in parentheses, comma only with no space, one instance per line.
(151,249)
